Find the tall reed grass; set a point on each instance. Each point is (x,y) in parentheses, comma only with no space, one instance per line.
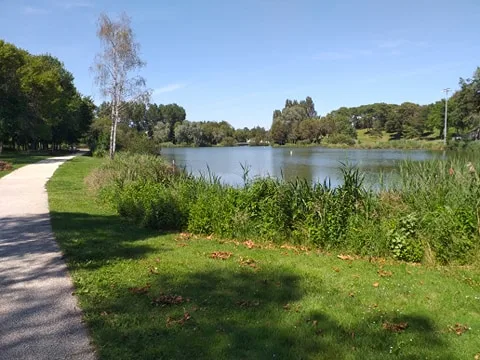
(432,214)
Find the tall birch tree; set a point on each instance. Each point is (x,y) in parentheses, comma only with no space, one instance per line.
(115,68)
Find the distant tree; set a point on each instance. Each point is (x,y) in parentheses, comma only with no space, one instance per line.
(114,67)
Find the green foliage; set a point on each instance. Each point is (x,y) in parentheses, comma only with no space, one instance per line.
(39,104)
(434,206)
(339,139)
(291,302)
(99,152)
(404,242)
(151,205)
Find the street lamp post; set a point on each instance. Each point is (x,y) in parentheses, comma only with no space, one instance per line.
(446,116)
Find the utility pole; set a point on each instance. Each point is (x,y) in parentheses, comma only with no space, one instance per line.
(446,116)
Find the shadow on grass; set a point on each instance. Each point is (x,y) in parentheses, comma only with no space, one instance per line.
(245,315)
(89,241)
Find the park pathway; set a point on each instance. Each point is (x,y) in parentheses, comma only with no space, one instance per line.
(39,316)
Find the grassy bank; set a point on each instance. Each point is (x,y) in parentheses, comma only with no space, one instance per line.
(19,159)
(383,141)
(147,295)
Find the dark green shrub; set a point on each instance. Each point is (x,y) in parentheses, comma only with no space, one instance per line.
(151,205)
(339,139)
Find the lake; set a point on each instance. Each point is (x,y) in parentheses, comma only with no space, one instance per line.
(311,163)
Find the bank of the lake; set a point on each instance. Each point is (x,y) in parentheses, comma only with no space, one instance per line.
(148,295)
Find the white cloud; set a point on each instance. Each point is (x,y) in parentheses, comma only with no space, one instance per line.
(30,10)
(168,88)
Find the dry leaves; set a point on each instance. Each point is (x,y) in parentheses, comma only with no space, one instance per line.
(477,357)
(375,284)
(153,270)
(140,290)
(384,273)
(248,304)
(248,262)
(458,329)
(345,257)
(164,300)
(395,327)
(172,321)
(288,307)
(249,244)
(221,255)
(184,237)
(4,166)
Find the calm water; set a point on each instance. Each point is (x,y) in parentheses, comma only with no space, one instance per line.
(313,164)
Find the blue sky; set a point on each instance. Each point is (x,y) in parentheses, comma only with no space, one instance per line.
(240,60)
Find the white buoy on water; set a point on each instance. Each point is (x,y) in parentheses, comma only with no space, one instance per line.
(291,152)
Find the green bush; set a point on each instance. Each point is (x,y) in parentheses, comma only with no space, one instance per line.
(339,139)
(151,205)
(404,241)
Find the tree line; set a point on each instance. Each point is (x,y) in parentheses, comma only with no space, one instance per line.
(40,108)
(154,125)
(298,121)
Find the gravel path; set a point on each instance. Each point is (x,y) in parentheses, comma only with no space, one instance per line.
(39,317)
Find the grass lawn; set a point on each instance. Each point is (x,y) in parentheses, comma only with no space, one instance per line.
(367,141)
(147,295)
(19,159)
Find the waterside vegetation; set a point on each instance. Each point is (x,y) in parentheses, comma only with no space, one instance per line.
(147,294)
(431,214)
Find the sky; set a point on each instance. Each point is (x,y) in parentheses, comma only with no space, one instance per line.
(239,60)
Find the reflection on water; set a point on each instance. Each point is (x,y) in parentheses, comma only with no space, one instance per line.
(314,164)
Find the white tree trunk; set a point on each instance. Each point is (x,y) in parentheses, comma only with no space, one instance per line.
(115,126)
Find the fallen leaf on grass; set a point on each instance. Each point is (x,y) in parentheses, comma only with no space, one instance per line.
(184,236)
(140,290)
(376,284)
(395,327)
(288,307)
(172,321)
(182,245)
(223,255)
(164,300)
(458,329)
(249,244)
(336,269)
(247,303)
(477,357)
(248,262)
(345,257)
(153,270)
(351,294)
(384,273)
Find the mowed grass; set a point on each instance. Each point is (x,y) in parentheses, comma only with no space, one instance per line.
(19,159)
(387,140)
(147,295)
